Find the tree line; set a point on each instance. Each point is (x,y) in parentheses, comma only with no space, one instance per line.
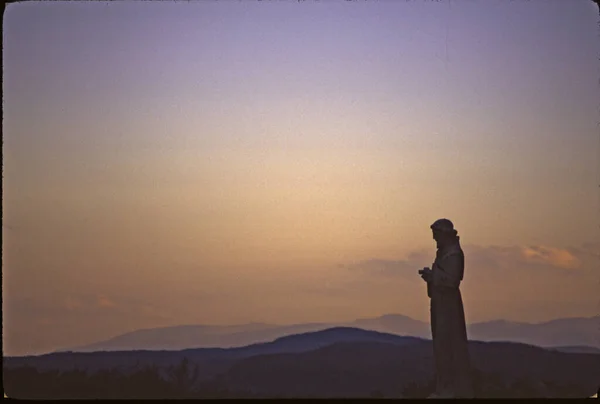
(181,382)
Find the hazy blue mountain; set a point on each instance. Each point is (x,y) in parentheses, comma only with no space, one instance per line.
(343,362)
(207,336)
(319,339)
(558,333)
(579,331)
(577,349)
(181,337)
(395,324)
(211,360)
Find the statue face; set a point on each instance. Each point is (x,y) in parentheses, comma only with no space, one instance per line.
(440,237)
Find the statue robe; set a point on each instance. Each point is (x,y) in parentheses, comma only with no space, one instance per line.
(448,326)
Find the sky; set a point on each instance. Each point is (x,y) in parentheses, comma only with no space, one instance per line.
(228,162)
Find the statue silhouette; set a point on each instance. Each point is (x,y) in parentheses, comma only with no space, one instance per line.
(448,326)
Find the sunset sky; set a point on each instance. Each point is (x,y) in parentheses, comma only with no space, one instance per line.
(228,162)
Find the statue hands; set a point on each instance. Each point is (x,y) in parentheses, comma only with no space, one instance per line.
(426,273)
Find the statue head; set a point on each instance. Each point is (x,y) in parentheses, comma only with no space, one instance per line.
(444,232)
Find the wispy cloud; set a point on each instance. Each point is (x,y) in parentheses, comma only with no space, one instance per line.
(553,256)
(499,281)
(104,302)
(82,303)
(486,258)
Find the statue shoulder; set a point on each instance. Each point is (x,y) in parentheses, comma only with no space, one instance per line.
(454,250)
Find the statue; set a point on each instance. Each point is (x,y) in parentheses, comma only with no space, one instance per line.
(448,325)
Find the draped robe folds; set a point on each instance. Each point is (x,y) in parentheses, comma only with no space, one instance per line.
(448,326)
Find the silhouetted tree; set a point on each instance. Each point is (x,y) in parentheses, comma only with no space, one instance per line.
(181,381)
(415,389)
(183,377)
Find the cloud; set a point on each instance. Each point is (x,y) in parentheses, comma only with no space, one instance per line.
(499,258)
(83,303)
(557,257)
(104,302)
(499,280)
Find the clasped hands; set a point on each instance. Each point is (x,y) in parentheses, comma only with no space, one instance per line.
(426,273)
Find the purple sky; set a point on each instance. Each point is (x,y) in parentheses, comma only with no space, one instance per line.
(227,162)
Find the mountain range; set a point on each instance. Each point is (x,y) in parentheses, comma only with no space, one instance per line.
(211,360)
(335,362)
(567,334)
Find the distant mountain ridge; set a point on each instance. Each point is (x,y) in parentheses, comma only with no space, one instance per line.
(564,332)
(211,360)
(567,332)
(335,362)
(577,349)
